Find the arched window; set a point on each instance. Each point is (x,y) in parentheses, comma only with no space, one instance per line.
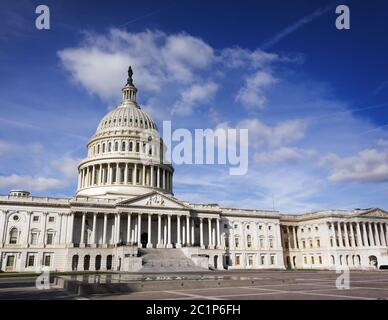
(123,146)
(116,146)
(13,236)
(130,146)
(86,262)
(110,147)
(103,148)
(74,263)
(98,149)
(332,260)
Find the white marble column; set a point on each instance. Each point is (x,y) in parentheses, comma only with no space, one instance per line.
(294,237)
(332,228)
(158,179)
(139,230)
(165,232)
(129,228)
(209,223)
(94,229)
(218,234)
(377,237)
(346,235)
(149,238)
(359,238)
(159,245)
(126,174)
(201,233)
(104,230)
(192,232)
(382,235)
(371,240)
(353,241)
(118,229)
(188,230)
(143,171)
(169,244)
(152,176)
(340,238)
(94,175)
(364,235)
(178,231)
(135,174)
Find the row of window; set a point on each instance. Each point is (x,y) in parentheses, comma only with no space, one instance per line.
(250,258)
(313,260)
(35,218)
(248,227)
(32,260)
(249,242)
(132,122)
(123,146)
(34,237)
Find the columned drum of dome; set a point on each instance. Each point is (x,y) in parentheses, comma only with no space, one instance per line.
(126,155)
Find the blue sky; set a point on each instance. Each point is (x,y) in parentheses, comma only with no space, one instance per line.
(313,98)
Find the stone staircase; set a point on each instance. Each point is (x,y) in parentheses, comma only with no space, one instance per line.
(166,260)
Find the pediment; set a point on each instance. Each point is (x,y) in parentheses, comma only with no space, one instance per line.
(375,213)
(154,200)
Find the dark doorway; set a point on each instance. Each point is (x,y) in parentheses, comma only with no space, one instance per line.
(109,262)
(74,263)
(98,263)
(86,262)
(215,262)
(144,240)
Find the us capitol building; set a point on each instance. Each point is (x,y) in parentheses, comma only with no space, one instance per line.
(124,217)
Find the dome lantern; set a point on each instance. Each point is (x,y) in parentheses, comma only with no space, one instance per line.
(129,91)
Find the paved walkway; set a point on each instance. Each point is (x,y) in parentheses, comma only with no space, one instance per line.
(307,286)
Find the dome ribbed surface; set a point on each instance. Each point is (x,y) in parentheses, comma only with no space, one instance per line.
(126,116)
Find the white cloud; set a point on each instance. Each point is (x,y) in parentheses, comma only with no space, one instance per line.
(368,165)
(67,167)
(278,135)
(251,95)
(237,57)
(31,183)
(282,155)
(197,93)
(156,58)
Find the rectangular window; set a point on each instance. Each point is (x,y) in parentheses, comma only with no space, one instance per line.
(30,261)
(262,260)
(35,218)
(10,261)
(272,260)
(311,243)
(51,219)
(318,243)
(250,260)
(261,243)
(237,260)
(320,259)
(236,242)
(312,260)
(47,260)
(50,238)
(227,242)
(304,244)
(305,260)
(34,238)
(271,243)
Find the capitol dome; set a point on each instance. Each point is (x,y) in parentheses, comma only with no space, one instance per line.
(126,155)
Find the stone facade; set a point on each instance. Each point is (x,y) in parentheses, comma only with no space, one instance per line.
(125,202)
